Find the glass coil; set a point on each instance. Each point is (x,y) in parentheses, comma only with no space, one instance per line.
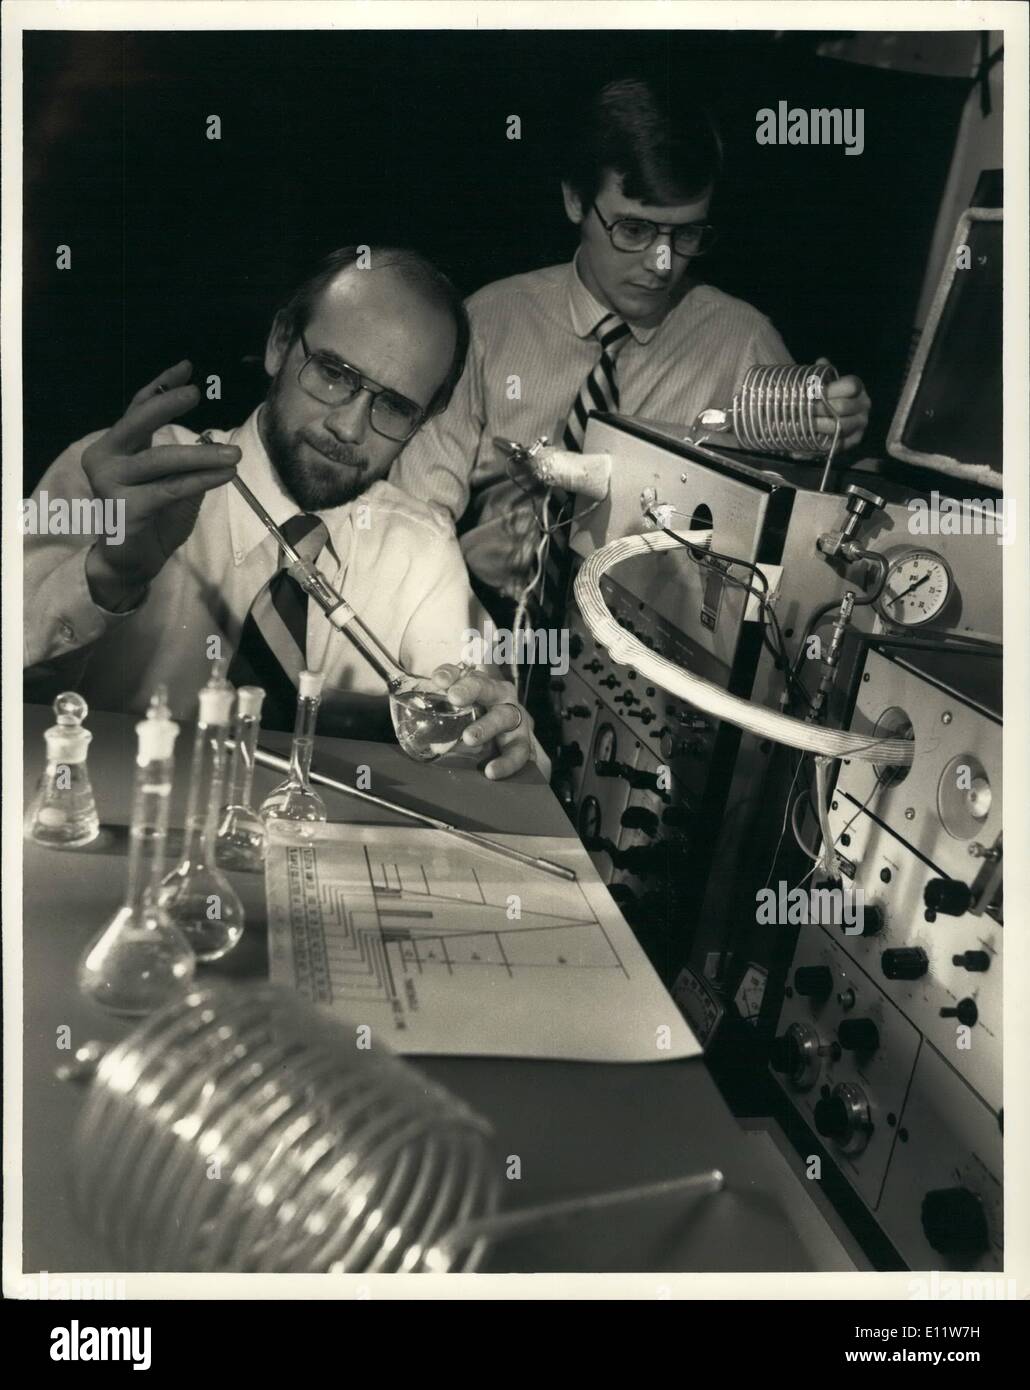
(241,1129)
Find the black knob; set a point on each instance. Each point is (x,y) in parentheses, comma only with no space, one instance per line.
(948,895)
(575,712)
(593,666)
(972,960)
(813,981)
(858,1034)
(905,963)
(831,1117)
(784,1054)
(575,645)
(571,755)
(610,681)
(954,1222)
(627,698)
(661,860)
(600,844)
(673,747)
(640,818)
(645,715)
(965,1011)
(872,919)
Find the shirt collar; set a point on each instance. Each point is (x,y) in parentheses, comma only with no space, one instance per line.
(586,312)
(246,529)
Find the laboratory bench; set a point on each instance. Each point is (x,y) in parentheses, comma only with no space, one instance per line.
(576,1127)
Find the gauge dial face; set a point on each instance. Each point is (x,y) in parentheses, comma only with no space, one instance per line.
(589,821)
(605,744)
(918,586)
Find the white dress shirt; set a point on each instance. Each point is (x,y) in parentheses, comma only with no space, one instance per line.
(396,561)
(531,349)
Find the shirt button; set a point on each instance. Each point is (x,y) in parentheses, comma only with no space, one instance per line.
(67,631)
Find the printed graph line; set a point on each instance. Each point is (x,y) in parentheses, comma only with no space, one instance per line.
(365,932)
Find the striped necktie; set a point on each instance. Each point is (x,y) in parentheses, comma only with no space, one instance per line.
(600,391)
(273,643)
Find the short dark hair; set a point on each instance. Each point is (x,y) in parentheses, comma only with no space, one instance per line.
(664,145)
(414,268)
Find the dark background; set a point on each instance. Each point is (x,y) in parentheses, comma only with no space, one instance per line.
(183,246)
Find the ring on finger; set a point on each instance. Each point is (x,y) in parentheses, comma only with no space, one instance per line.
(518,711)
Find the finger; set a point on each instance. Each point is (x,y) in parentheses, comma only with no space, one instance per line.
(854,424)
(465,687)
(178,375)
(849,405)
(844,387)
(511,761)
(134,429)
(153,497)
(170,460)
(501,719)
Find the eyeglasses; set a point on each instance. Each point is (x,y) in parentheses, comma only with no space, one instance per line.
(334,382)
(637,234)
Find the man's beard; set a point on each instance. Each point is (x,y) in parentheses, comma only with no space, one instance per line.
(317,485)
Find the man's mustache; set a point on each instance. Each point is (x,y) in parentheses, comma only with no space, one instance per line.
(337,453)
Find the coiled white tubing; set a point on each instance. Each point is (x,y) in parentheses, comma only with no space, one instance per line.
(702,694)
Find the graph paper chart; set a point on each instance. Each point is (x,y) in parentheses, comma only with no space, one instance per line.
(448,950)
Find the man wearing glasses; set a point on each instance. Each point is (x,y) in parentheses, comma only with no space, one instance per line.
(363,353)
(623,327)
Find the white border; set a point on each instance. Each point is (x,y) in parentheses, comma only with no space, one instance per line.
(729,15)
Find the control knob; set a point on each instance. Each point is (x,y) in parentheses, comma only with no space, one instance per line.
(813,981)
(858,1034)
(965,1011)
(795,1054)
(844,1117)
(904,963)
(640,818)
(948,895)
(954,1222)
(972,960)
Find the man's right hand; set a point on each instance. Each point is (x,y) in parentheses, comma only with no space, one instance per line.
(162,488)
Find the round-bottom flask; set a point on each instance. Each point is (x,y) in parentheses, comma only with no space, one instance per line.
(140,962)
(427,725)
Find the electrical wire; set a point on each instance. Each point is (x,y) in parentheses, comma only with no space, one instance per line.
(708,697)
(779,654)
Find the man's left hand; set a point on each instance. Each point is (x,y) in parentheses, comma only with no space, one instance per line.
(848,399)
(505,721)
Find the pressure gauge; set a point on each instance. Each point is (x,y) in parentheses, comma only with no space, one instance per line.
(605,744)
(919,585)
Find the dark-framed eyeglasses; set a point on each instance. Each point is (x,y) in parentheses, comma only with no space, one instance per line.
(334,382)
(637,234)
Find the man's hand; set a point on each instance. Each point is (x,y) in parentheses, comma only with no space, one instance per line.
(505,720)
(162,488)
(846,397)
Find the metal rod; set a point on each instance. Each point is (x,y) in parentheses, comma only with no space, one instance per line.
(552,1214)
(252,502)
(483,842)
